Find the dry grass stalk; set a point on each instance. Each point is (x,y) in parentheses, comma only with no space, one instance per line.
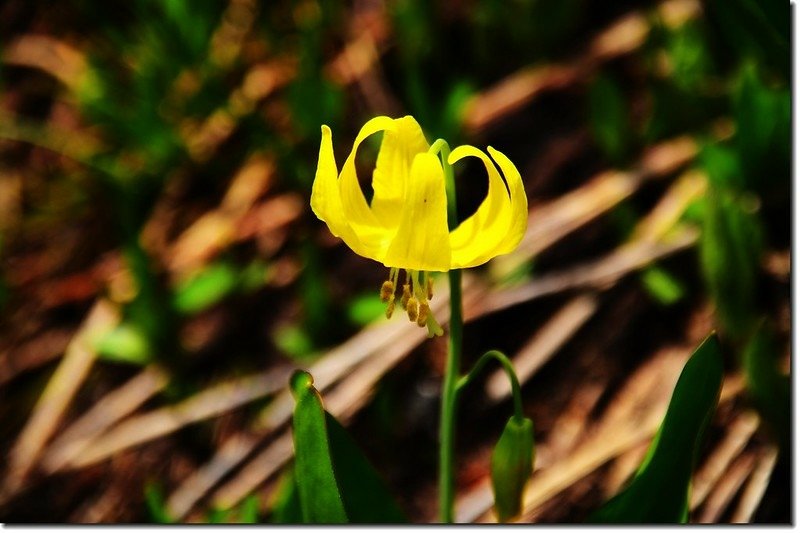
(56,57)
(211,402)
(106,412)
(754,491)
(544,344)
(726,489)
(652,228)
(732,445)
(687,188)
(36,352)
(551,222)
(623,468)
(56,397)
(624,36)
(216,229)
(230,455)
(596,274)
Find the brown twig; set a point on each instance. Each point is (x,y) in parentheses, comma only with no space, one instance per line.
(732,445)
(106,412)
(211,402)
(754,491)
(624,36)
(544,344)
(56,397)
(726,489)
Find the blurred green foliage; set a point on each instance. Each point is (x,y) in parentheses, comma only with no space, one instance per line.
(608,118)
(156,506)
(663,286)
(770,389)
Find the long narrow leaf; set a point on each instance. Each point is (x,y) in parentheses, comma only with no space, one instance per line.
(365,496)
(320,502)
(659,493)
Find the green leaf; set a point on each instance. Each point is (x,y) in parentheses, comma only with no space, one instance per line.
(365,308)
(124,344)
(217,516)
(334,481)
(659,492)
(763,116)
(608,118)
(768,387)
(294,341)
(320,501)
(512,466)
(286,508)
(364,494)
(154,499)
(248,510)
(730,251)
(662,285)
(756,29)
(722,165)
(206,288)
(245,513)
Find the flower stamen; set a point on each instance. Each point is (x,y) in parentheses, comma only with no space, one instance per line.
(424,310)
(429,285)
(387,291)
(406,292)
(412,307)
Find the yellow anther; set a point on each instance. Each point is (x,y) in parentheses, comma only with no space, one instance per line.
(387,290)
(390,308)
(430,288)
(413,309)
(406,295)
(424,309)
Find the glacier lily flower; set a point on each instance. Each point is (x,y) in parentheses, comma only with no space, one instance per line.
(405,224)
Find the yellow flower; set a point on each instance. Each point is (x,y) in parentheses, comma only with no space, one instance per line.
(405,224)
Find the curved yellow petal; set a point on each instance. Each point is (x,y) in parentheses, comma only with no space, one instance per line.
(478,239)
(326,200)
(422,241)
(389,181)
(355,207)
(519,201)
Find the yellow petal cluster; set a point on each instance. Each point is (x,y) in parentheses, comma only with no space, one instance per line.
(405,224)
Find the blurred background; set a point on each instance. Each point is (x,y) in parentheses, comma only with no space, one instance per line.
(162,274)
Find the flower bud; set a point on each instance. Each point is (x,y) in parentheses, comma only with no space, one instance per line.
(512,466)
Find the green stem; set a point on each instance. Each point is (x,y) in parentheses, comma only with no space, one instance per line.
(508,366)
(447,422)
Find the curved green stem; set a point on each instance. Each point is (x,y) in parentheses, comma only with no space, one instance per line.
(447,421)
(508,366)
